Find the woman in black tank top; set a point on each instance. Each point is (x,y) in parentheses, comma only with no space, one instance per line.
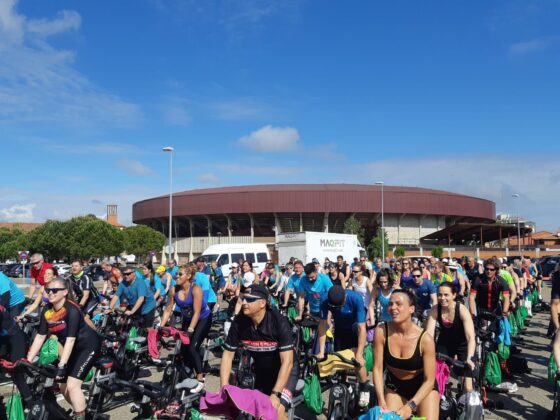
(456,330)
(407,355)
(336,276)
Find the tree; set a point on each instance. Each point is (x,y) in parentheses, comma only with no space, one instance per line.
(140,240)
(51,240)
(354,227)
(374,248)
(94,238)
(437,252)
(399,252)
(11,241)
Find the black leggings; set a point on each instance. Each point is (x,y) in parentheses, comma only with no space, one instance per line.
(191,352)
(16,349)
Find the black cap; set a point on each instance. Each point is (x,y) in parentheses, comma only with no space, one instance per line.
(315,261)
(336,296)
(257,290)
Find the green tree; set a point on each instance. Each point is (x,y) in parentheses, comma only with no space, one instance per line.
(374,248)
(354,227)
(437,252)
(11,241)
(140,240)
(94,238)
(399,252)
(51,239)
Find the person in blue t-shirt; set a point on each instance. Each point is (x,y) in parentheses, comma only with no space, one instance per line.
(313,289)
(349,317)
(11,297)
(138,296)
(204,282)
(425,291)
(293,282)
(172,268)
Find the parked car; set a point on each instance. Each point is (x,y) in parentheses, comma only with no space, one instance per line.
(63,269)
(7,269)
(548,264)
(512,258)
(17,270)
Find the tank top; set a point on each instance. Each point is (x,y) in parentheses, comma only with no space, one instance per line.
(186,306)
(413,363)
(452,333)
(336,281)
(384,303)
(406,280)
(362,290)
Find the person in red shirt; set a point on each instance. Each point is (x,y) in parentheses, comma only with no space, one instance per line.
(37,272)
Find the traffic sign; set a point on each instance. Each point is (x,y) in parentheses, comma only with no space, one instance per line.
(23,255)
(152,253)
(169,249)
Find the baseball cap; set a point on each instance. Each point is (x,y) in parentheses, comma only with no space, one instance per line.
(248,279)
(336,296)
(160,269)
(257,290)
(315,261)
(453,266)
(235,265)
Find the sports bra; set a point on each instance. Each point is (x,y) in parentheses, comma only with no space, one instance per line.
(186,306)
(411,364)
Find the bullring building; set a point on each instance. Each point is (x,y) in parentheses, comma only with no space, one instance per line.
(257,213)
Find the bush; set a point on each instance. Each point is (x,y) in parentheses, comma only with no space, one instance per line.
(437,252)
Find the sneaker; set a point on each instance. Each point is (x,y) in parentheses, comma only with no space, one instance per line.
(198,388)
(364,399)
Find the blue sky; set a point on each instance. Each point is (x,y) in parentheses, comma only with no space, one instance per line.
(461,96)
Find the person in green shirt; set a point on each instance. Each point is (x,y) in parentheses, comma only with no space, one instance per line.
(438,274)
(506,275)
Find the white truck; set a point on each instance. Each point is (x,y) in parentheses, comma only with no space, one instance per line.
(305,246)
(227,254)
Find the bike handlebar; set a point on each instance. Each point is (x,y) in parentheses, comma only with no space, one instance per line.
(450,361)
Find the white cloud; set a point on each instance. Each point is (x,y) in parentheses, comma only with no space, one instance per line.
(18,213)
(38,82)
(134,167)
(175,112)
(272,139)
(533,46)
(207,179)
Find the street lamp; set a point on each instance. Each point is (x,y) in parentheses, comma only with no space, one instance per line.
(382,223)
(170,150)
(518,224)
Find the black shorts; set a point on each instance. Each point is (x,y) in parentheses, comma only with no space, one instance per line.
(265,379)
(345,339)
(81,361)
(405,388)
(555,293)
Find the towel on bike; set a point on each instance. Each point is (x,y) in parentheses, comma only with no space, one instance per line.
(505,329)
(231,400)
(333,363)
(154,335)
(442,375)
(376,413)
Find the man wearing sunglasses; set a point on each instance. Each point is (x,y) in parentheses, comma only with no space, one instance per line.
(37,272)
(267,335)
(425,291)
(349,317)
(138,296)
(486,290)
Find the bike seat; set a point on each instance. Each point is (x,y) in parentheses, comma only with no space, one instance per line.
(188,383)
(299,387)
(138,340)
(213,334)
(152,386)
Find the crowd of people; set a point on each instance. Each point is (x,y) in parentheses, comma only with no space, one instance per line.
(415,308)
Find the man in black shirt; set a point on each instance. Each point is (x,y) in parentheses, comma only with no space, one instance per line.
(486,290)
(87,295)
(267,335)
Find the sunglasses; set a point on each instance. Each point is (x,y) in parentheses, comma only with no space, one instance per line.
(250,299)
(53,290)
(356,272)
(335,306)
(489,269)
(417,276)
(127,274)
(35,263)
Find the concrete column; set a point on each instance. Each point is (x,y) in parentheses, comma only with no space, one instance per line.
(228,225)
(301,222)
(191,232)
(326,223)
(209,227)
(252,228)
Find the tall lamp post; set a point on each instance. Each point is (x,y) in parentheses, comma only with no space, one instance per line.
(382,223)
(170,150)
(518,223)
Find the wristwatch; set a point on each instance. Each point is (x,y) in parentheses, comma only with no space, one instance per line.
(276,393)
(412,406)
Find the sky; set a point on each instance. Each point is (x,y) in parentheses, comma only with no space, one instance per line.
(461,96)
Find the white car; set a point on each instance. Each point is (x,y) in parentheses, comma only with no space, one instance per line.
(63,269)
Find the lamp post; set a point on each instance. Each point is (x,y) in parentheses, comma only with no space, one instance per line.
(170,150)
(382,223)
(518,224)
